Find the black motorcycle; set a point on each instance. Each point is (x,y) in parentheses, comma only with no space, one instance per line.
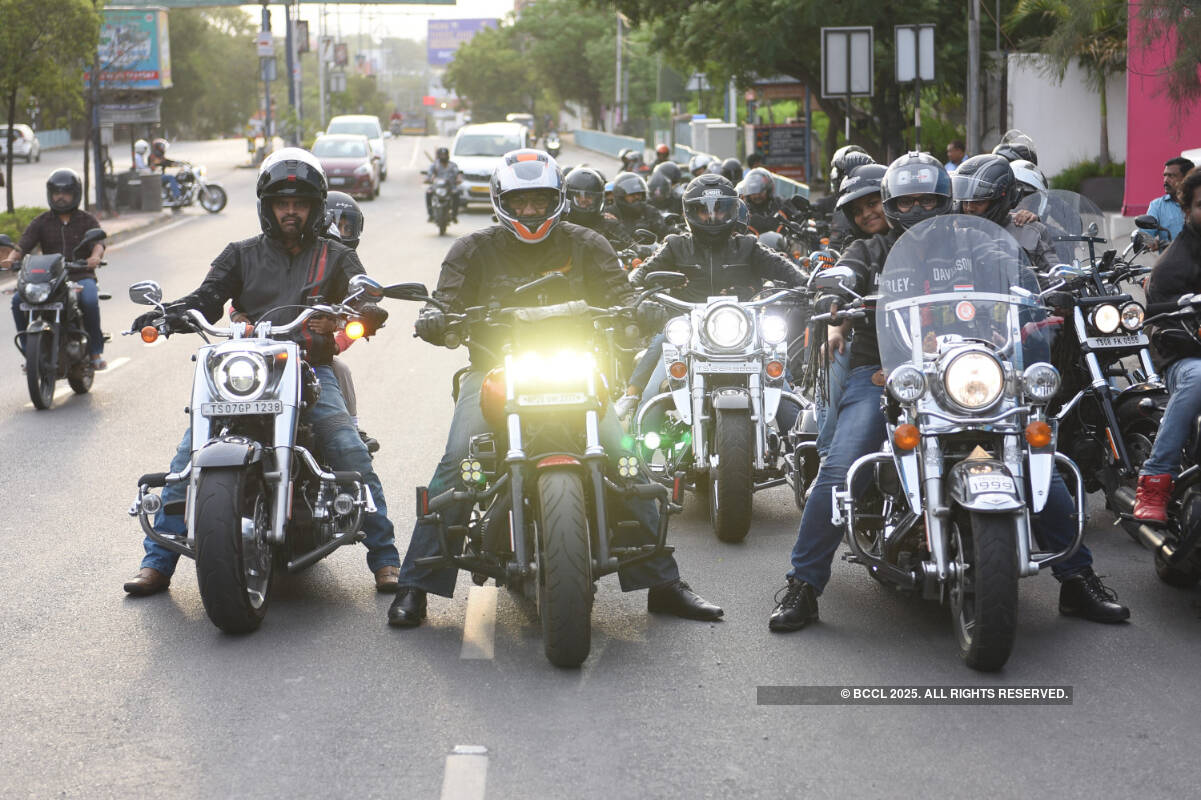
(442,202)
(55,341)
(195,187)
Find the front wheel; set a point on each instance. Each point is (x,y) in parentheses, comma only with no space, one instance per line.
(565,571)
(233,554)
(984,593)
(80,376)
(39,370)
(212,198)
(732,482)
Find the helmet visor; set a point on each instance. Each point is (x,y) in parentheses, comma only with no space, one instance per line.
(586,200)
(712,210)
(349,223)
(974,187)
(529,203)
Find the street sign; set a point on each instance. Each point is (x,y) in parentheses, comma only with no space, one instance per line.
(302,36)
(337,81)
(847,62)
(325,49)
(697,83)
(915,52)
(267,68)
(445,36)
(341,54)
(264,43)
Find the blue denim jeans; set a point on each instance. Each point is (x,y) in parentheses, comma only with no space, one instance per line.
(860,430)
(172,184)
(339,445)
(89,304)
(469,421)
(827,412)
(1183,379)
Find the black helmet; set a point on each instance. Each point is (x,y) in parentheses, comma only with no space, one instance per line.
(670,170)
(159,147)
(711,209)
(1016,146)
(585,194)
(291,172)
(862,180)
(845,160)
(731,170)
(626,188)
(441,154)
(914,174)
(986,177)
(341,208)
(658,189)
(743,225)
(757,182)
(64,180)
(773,240)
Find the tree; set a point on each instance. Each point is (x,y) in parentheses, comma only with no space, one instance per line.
(1181,21)
(214,71)
(1091,33)
(492,73)
(43,47)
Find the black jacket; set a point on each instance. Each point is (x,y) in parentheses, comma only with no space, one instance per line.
(1177,272)
(741,265)
(866,259)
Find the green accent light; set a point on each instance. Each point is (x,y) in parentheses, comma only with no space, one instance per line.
(627,442)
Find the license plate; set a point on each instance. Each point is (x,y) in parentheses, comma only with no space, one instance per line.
(481,190)
(337,181)
(1133,340)
(240,408)
(42,307)
(980,484)
(557,399)
(728,367)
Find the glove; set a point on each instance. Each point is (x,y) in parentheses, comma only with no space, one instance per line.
(431,325)
(373,317)
(319,348)
(175,316)
(149,319)
(651,316)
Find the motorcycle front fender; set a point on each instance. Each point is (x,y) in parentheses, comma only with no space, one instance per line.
(37,326)
(231,451)
(983,485)
(731,400)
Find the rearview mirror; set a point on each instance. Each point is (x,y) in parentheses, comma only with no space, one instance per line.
(5,241)
(799,203)
(146,293)
(540,283)
(1092,229)
(665,280)
(84,248)
(366,286)
(643,236)
(840,280)
(407,291)
(1147,222)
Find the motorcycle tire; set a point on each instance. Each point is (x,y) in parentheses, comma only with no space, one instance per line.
(984,598)
(442,228)
(732,484)
(39,371)
(565,568)
(213,198)
(80,377)
(234,571)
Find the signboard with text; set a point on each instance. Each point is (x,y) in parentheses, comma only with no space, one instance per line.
(134,50)
(445,36)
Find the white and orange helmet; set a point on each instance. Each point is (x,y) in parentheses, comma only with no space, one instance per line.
(528,170)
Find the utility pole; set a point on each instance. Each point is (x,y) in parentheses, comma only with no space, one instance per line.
(321,68)
(618,101)
(973,77)
(267,137)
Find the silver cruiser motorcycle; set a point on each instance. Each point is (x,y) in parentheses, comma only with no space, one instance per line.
(258,496)
(725,362)
(944,508)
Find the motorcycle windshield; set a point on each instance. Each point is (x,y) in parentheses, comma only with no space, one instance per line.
(955,280)
(1067,214)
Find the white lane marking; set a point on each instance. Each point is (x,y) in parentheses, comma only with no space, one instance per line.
(479,627)
(65,390)
(155,232)
(416,150)
(466,774)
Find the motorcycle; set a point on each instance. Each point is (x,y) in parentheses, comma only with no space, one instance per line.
(195,187)
(553,146)
(944,509)
(259,498)
(725,362)
(395,127)
(55,342)
(544,519)
(442,202)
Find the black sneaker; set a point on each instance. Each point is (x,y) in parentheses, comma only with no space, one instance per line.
(796,609)
(1084,595)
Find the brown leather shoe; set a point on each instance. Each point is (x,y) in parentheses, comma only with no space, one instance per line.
(148,581)
(386,579)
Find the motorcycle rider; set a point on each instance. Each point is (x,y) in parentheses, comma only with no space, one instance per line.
(585,189)
(158,160)
(659,193)
(916,187)
(758,191)
(1167,212)
(60,230)
(531,240)
(1015,146)
(1177,272)
(141,152)
(985,186)
(1029,177)
(631,209)
(662,155)
(282,268)
(845,159)
(731,170)
(699,164)
(443,167)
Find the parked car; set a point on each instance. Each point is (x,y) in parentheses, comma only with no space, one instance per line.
(350,164)
(479,149)
(365,125)
(528,121)
(25,143)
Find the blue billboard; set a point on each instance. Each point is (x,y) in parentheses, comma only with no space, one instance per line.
(445,35)
(135,50)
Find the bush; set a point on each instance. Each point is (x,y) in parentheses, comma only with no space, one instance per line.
(1071,177)
(14,224)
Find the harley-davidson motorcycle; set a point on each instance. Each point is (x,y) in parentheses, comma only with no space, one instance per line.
(195,187)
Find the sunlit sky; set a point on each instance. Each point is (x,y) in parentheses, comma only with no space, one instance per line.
(405,21)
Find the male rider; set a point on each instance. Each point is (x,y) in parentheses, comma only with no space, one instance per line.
(585,190)
(60,230)
(484,267)
(1166,209)
(273,276)
(443,167)
(631,210)
(915,188)
(985,186)
(158,160)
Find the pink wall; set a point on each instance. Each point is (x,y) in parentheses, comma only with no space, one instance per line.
(1151,135)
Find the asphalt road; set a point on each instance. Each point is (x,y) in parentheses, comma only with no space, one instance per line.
(110,696)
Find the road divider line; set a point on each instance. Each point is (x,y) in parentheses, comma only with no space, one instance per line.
(479,626)
(416,150)
(155,231)
(466,773)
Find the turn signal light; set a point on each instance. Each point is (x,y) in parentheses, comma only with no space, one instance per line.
(636,263)
(355,329)
(906,437)
(678,370)
(774,369)
(149,334)
(1038,434)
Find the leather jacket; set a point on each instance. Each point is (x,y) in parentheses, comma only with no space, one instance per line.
(739,266)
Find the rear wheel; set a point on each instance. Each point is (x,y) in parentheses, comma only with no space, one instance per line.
(565,569)
(212,198)
(732,483)
(39,371)
(984,593)
(233,554)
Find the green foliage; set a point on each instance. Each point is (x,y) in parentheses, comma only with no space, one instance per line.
(214,70)
(491,72)
(1180,22)
(14,224)
(1072,177)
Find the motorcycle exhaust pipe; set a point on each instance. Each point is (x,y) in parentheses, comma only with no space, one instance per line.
(1152,537)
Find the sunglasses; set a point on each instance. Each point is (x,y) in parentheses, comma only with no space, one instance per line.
(926,201)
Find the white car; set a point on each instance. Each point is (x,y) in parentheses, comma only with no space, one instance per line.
(365,125)
(25,143)
(479,149)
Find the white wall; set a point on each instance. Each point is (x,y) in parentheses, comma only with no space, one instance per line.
(1063,119)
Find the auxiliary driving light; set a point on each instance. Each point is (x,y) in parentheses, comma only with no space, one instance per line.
(627,466)
(652,440)
(471,471)
(343,504)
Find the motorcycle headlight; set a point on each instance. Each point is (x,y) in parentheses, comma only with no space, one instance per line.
(727,327)
(562,369)
(1105,318)
(241,377)
(974,380)
(1132,316)
(906,383)
(35,293)
(773,328)
(1040,382)
(678,331)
